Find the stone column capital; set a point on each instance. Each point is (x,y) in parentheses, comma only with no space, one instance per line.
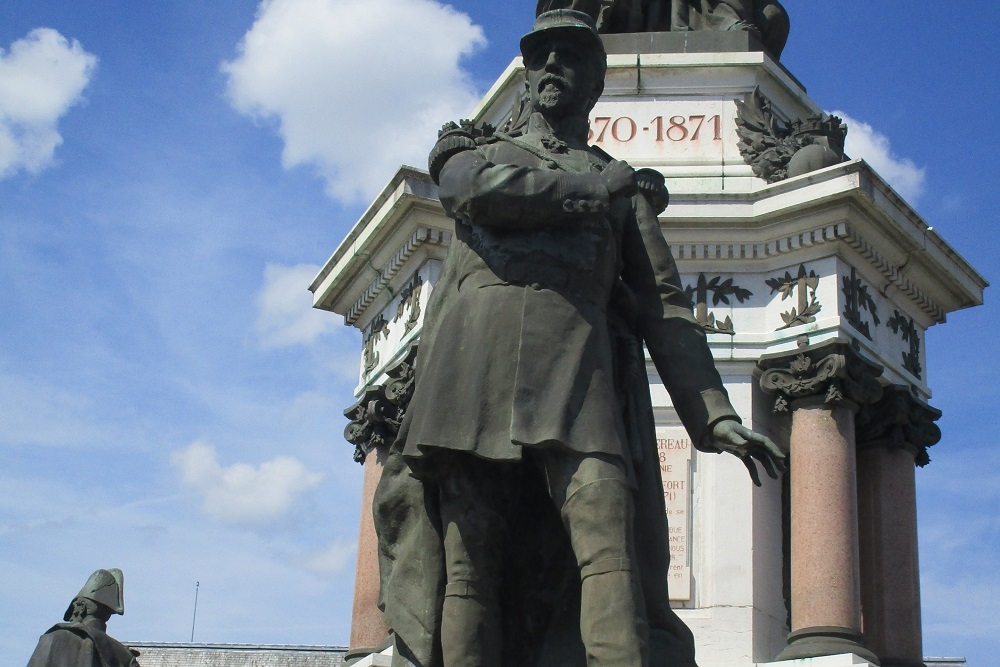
(899,420)
(831,373)
(376,417)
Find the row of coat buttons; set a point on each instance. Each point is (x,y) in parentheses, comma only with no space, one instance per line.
(584,206)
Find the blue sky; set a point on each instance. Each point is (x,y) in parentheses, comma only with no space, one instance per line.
(171,175)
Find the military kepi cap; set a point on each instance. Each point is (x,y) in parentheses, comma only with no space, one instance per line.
(573,24)
(104,587)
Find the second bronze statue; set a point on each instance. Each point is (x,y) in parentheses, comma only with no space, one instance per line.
(767,18)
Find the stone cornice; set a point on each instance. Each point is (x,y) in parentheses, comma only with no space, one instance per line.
(862,216)
(421,236)
(785,244)
(409,190)
(863,213)
(831,373)
(899,421)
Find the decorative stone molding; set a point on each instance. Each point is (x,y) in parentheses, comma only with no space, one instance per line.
(422,236)
(899,421)
(721,291)
(893,274)
(376,417)
(772,248)
(831,373)
(841,232)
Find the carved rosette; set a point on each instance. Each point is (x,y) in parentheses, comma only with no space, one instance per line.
(899,421)
(830,374)
(376,417)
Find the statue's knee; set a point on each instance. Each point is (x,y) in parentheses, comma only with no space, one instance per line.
(476,589)
(605,566)
(599,519)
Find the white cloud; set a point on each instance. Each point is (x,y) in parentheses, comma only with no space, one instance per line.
(358,87)
(285,314)
(335,558)
(242,493)
(42,76)
(864,142)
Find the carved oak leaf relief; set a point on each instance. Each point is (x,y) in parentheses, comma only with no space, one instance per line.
(721,292)
(907,328)
(776,149)
(379,328)
(764,138)
(803,285)
(409,300)
(859,299)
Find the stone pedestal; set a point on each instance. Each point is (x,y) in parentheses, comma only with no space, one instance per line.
(823,388)
(831,257)
(893,434)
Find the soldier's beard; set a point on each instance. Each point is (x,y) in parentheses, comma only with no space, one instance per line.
(553,94)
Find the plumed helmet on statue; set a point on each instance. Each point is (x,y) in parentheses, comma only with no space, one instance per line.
(105,587)
(573,23)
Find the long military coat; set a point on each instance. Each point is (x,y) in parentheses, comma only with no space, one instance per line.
(518,350)
(80,645)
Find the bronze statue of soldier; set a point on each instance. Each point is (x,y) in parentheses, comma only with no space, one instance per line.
(82,640)
(520,513)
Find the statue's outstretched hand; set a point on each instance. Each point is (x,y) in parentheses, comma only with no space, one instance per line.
(731,436)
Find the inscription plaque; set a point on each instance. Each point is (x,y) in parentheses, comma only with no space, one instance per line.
(674,448)
(670,132)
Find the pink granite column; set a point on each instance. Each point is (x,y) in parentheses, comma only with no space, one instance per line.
(822,388)
(892,435)
(375,421)
(368,629)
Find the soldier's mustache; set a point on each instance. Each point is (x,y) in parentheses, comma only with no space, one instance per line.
(553,79)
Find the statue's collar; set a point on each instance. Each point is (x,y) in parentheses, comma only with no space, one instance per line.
(572,131)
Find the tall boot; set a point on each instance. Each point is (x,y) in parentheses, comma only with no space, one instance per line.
(471,631)
(610,622)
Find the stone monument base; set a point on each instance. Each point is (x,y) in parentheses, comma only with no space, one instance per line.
(381,659)
(813,642)
(841,660)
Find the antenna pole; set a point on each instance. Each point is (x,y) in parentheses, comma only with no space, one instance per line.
(194,618)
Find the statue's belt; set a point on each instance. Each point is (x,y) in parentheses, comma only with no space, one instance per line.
(571,282)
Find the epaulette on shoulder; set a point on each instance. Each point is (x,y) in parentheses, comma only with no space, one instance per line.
(455,138)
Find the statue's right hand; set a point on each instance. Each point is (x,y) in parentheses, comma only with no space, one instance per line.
(620,179)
